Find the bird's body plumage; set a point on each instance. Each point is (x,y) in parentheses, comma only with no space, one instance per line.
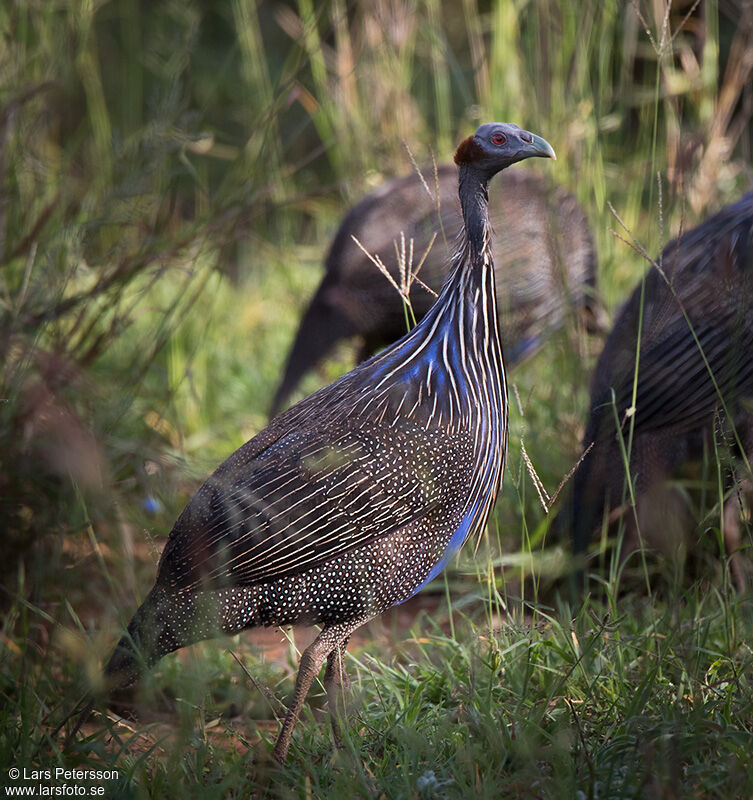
(405,452)
(352,500)
(693,316)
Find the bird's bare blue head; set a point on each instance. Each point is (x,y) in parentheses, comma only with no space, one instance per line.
(496,145)
(493,147)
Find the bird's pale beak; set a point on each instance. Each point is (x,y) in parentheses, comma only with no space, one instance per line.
(540,147)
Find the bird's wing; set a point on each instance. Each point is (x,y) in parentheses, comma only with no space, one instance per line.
(675,385)
(309,497)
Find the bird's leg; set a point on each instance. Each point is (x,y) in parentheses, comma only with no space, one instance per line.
(311,662)
(337,683)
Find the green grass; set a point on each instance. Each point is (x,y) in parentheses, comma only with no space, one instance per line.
(171,179)
(652,701)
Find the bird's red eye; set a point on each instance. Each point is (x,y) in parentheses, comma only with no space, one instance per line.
(498,139)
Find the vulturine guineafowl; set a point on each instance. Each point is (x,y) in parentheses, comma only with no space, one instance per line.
(352,500)
(543,251)
(694,316)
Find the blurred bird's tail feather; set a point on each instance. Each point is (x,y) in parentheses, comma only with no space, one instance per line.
(164,622)
(136,651)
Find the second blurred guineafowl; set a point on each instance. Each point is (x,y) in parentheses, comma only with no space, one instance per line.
(694,317)
(543,254)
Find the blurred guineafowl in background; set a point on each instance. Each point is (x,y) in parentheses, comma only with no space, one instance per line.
(352,500)
(543,253)
(696,321)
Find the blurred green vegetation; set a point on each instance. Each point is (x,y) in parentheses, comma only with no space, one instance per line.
(170,176)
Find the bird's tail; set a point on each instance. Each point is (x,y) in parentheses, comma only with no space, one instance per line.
(164,622)
(150,636)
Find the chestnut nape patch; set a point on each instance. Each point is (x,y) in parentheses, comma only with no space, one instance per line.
(468,151)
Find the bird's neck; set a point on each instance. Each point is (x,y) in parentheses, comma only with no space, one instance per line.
(458,338)
(472,282)
(474,201)
(465,314)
